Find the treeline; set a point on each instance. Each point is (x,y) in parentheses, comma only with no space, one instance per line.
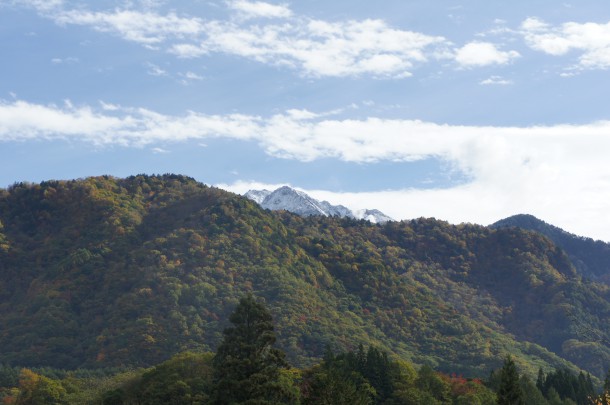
(248,368)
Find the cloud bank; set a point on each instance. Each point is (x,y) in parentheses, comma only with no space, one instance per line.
(559,173)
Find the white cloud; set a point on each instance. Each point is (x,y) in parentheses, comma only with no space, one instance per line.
(191,76)
(109,106)
(20,120)
(147,28)
(151,4)
(188,50)
(155,70)
(40,5)
(476,54)
(320,48)
(252,9)
(313,47)
(591,40)
(69,60)
(496,80)
(188,78)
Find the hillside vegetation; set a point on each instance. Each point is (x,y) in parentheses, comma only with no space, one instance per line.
(590,257)
(107,272)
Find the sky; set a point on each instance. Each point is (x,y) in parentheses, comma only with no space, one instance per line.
(466,111)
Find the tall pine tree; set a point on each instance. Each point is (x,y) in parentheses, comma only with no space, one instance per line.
(246,365)
(509,392)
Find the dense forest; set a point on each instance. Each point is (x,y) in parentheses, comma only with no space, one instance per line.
(247,368)
(590,257)
(104,272)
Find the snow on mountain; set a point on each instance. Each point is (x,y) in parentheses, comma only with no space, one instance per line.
(257,195)
(298,202)
(374,216)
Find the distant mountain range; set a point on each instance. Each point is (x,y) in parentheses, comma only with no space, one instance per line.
(590,257)
(300,203)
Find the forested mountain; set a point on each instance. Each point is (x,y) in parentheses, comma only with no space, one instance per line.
(590,257)
(105,272)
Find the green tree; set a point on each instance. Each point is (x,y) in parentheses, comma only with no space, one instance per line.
(531,394)
(36,389)
(428,381)
(330,386)
(183,379)
(510,392)
(246,365)
(540,380)
(9,376)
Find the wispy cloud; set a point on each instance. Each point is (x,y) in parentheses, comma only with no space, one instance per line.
(496,80)
(68,60)
(319,48)
(147,28)
(273,34)
(40,5)
(313,47)
(590,40)
(155,70)
(113,124)
(187,78)
(191,76)
(254,9)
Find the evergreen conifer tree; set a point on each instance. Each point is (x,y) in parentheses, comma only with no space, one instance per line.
(246,365)
(540,380)
(509,392)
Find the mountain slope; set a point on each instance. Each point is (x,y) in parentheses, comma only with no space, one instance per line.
(106,271)
(590,257)
(300,203)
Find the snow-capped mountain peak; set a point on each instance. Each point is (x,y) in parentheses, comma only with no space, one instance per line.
(374,216)
(257,196)
(300,203)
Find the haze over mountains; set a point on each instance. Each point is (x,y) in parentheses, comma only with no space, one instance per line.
(105,271)
(300,203)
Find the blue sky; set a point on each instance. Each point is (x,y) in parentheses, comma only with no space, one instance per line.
(468,111)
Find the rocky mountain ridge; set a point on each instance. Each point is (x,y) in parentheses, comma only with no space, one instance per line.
(300,203)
